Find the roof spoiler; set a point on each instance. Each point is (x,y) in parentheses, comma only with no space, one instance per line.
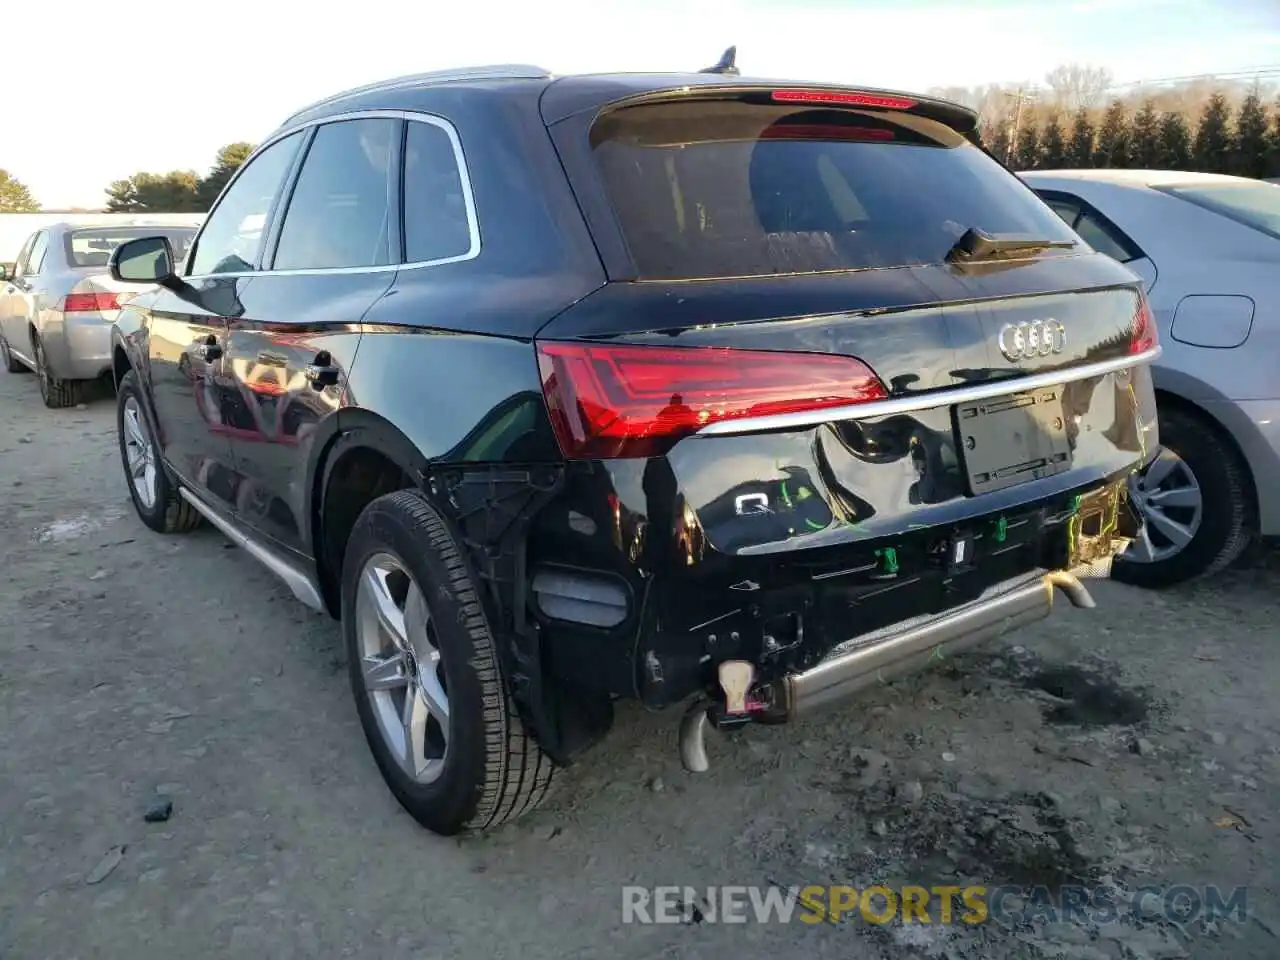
(727,64)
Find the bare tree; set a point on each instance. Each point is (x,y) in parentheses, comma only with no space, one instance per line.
(1075,85)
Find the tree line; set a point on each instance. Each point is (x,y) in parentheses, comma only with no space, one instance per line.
(15,197)
(178,191)
(1070,123)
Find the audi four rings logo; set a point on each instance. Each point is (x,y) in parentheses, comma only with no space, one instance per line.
(1039,338)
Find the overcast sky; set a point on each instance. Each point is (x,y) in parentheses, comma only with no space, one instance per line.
(95,92)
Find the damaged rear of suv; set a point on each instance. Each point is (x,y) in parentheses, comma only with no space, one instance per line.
(719,393)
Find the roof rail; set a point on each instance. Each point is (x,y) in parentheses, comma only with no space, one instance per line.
(505,71)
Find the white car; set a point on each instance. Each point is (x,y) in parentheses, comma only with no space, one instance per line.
(57,305)
(1208,248)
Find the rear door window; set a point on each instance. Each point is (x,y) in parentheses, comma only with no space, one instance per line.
(706,189)
(35,258)
(341,211)
(1093,227)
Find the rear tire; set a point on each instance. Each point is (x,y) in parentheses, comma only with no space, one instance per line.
(56,393)
(1228,519)
(490,770)
(9,361)
(157,501)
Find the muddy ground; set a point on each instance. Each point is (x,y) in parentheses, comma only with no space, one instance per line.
(1136,746)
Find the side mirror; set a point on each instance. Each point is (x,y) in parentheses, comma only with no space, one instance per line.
(145,260)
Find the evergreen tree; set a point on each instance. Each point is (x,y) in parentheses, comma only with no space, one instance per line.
(1211,150)
(227,163)
(1144,138)
(15,197)
(1026,154)
(1175,142)
(1249,148)
(1112,149)
(1053,149)
(1273,144)
(1080,149)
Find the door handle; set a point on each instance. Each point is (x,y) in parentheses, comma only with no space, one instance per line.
(210,349)
(322,372)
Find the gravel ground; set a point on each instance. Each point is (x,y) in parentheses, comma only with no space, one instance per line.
(1131,746)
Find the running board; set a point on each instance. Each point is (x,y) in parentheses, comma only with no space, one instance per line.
(296,579)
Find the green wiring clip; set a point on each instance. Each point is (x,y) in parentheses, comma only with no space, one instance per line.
(889,556)
(1002,530)
(1075,503)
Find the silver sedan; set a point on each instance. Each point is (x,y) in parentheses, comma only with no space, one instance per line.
(1208,249)
(57,306)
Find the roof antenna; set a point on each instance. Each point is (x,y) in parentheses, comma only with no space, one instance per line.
(726,64)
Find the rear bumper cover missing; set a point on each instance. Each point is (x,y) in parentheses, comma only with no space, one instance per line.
(877,659)
(1095,536)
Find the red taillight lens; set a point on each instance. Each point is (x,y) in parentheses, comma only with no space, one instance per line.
(1145,336)
(841,97)
(608,401)
(82,302)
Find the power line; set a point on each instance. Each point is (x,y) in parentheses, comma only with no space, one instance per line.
(1249,73)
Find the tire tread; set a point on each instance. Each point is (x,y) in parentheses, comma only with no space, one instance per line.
(518,774)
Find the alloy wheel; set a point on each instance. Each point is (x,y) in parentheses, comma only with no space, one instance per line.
(401,666)
(1168,496)
(140,453)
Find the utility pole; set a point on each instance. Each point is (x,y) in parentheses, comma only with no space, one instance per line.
(1021,97)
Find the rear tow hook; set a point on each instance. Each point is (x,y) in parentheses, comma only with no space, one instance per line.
(735,677)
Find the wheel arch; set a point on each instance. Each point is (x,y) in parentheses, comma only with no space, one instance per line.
(1208,410)
(364,456)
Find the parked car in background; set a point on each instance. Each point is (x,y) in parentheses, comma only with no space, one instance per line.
(57,305)
(1208,250)
(872,400)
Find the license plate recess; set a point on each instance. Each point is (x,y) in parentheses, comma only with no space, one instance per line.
(1012,439)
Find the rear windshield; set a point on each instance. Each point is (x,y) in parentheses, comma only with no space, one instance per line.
(92,246)
(724,189)
(1254,204)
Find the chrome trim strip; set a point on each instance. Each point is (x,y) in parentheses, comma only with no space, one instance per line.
(468,197)
(301,585)
(925,401)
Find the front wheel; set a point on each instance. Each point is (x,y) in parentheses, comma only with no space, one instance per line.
(7,360)
(425,673)
(1196,501)
(155,495)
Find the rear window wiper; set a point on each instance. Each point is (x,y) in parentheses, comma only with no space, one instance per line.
(975,246)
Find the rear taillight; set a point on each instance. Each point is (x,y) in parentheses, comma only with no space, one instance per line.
(85,302)
(1144,336)
(878,100)
(611,401)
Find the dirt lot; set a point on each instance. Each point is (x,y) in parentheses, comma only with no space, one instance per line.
(1136,746)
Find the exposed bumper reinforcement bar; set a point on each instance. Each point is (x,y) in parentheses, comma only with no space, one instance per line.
(845,674)
(880,659)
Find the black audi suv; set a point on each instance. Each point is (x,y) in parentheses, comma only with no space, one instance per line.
(693,389)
